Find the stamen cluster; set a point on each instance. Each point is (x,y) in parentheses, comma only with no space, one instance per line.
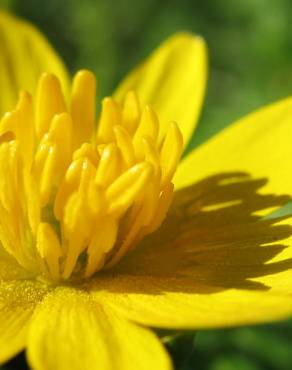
(75,198)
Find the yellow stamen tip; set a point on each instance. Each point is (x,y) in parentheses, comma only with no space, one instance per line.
(49,101)
(83,106)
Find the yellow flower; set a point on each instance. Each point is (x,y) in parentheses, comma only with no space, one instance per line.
(75,200)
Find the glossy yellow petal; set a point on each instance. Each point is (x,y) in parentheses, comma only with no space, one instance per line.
(70,330)
(279,283)
(259,144)
(183,303)
(213,263)
(24,54)
(17,303)
(173,80)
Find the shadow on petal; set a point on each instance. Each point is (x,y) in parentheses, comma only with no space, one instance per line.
(214,236)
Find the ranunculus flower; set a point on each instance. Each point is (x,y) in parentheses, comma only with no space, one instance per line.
(94,246)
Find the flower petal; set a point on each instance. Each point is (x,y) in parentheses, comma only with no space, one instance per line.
(173,80)
(71,330)
(17,303)
(213,263)
(150,301)
(259,144)
(279,283)
(24,55)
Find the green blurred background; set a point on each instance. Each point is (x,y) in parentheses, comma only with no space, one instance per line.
(250,48)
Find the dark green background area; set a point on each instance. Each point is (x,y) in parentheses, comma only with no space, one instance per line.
(250,56)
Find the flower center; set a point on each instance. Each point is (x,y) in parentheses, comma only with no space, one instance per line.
(74,199)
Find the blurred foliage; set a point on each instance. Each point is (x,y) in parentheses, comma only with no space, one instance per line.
(264,347)
(250,46)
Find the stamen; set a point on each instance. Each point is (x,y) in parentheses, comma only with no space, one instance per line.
(102,242)
(74,200)
(131,112)
(124,142)
(49,249)
(49,101)
(20,124)
(148,127)
(53,155)
(151,154)
(110,116)
(127,188)
(83,106)
(170,153)
(108,167)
